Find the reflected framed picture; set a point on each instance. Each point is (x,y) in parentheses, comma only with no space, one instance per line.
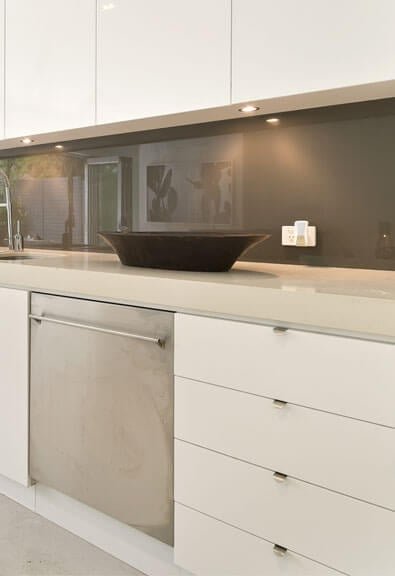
(178,194)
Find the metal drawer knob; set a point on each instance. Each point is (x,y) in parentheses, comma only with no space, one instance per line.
(279,403)
(279,477)
(279,550)
(280,330)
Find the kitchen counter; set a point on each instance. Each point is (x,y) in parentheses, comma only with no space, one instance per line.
(352,302)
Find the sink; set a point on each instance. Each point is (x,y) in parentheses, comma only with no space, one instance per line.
(198,251)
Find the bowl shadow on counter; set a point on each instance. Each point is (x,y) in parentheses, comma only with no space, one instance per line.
(242,273)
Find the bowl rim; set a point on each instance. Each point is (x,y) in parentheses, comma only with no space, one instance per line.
(193,234)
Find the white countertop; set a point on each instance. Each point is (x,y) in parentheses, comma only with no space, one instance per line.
(340,300)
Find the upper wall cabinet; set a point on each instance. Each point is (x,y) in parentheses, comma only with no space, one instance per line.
(160,57)
(283,47)
(50,65)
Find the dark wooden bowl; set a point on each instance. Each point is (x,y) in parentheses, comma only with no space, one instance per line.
(198,251)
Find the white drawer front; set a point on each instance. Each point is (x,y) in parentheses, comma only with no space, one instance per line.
(341,532)
(340,375)
(349,456)
(208,547)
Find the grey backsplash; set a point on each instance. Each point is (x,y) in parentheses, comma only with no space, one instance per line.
(334,167)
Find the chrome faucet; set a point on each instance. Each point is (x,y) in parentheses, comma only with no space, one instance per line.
(5,184)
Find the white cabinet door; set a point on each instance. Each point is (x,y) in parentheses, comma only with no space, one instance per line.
(14,384)
(340,375)
(50,65)
(162,57)
(285,47)
(208,547)
(346,534)
(345,455)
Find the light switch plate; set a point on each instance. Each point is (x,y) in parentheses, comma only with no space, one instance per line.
(288,236)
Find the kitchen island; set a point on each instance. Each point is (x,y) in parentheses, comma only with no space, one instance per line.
(283,416)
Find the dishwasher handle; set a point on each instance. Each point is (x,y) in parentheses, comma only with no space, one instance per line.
(159,341)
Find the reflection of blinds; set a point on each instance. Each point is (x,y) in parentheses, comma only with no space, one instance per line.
(126,192)
(93,203)
(45,207)
(109,202)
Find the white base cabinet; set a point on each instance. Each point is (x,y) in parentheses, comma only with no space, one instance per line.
(14,385)
(284,443)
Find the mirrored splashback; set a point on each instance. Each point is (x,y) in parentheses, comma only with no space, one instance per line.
(332,166)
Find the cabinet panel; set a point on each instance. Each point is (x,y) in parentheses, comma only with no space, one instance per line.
(14,386)
(285,47)
(162,57)
(50,65)
(341,532)
(349,456)
(340,375)
(208,547)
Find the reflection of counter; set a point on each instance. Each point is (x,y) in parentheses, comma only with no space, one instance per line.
(341,300)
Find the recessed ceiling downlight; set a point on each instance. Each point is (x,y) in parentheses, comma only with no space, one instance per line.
(272,120)
(27,140)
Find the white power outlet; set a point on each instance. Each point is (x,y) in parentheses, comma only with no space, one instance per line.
(288,236)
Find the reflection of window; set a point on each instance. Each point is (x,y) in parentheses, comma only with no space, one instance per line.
(109,196)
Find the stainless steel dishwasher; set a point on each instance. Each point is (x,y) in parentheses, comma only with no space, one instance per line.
(101,408)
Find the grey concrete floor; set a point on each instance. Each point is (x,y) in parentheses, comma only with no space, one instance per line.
(33,546)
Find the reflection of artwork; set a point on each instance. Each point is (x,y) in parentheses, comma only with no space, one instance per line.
(215,185)
(200,194)
(161,196)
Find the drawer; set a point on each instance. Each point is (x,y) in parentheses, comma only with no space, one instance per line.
(208,547)
(340,375)
(342,454)
(341,532)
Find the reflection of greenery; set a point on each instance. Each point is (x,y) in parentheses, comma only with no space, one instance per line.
(13,167)
(41,166)
(106,178)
